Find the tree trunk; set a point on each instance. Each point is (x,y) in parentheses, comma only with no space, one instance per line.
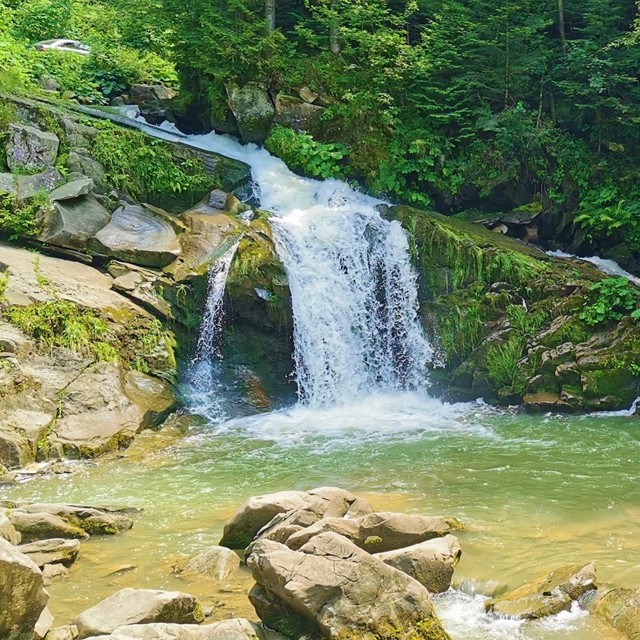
(336,47)
(561,27)
(270,14)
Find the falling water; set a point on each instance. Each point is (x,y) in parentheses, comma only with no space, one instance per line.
(203,370)
(355,306)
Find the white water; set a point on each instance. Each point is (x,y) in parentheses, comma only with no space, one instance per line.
(610,267)
(202,373)
(354,297)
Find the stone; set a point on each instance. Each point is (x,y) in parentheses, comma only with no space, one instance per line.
(53,571)
(299,115)
(431,563)
(69,632)
(92,521)
(82,163)
(72,223)
(35,184)
(379,532)
(259,511)
(217,199)
(307,95)
(52,551)
(138,606)
(73,189)
(39,526)
(135,235)
(45,622)
(8,184)
(344,591)
(153,397)
(253,111)
(30,149)
(234,629)
(7,531)
(621,609)
(215,562)
(546,596)
(15,448)
(23,595)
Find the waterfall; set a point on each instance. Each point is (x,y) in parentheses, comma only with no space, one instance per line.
(354,293)
(203,372)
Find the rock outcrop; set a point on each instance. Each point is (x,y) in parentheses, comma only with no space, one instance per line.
(52,551)
(621,609)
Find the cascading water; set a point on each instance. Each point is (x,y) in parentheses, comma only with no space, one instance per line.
(202,375)
(356,329)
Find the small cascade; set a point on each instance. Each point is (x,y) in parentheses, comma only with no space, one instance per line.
(203,372)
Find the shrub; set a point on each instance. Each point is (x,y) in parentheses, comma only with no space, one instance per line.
(614,299)
(20,217)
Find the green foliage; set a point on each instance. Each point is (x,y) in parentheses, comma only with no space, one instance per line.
(4,283)
(145,167)
(304,154)
(614,299)
(503,363)
(60,323)
(21,217)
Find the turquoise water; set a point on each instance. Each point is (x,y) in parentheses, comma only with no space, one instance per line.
(535,492)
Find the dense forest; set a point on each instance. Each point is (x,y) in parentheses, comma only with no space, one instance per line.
(459,105)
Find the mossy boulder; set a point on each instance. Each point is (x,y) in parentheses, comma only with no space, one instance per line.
(621,609)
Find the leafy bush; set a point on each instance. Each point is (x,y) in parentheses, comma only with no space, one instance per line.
(304,154)
(614,299)
(503,363)
(20,217)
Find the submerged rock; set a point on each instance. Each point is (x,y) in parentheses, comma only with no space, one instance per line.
(215,562)
(546,596)
(379,532)
(431,563)
(52,551)
(137,606)
(22,594)
(260,511)
(621,609)
(344,591)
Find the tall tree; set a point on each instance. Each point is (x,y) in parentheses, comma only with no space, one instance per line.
(270,14)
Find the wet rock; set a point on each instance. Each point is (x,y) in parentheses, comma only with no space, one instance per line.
(138,606)
(154,100)
(431,563)
(135,235)
(344,590)
(72,223)
(546,596)
(621,609)
(546,401)
(23,597)
(215,562)
(235,629)
(259,511)
(73,189)
(154,398)
(7,531)
(380,532)
(39,526)
(253,111)
(30,149)
(52,551)
(92,521)
(54,571)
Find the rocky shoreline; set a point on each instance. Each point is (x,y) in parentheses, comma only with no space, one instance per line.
(325,565)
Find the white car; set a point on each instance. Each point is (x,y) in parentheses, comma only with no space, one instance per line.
(64,45)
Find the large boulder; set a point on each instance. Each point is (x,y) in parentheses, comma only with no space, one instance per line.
(215,562)
(136,235)
(259,511)
(379,532)
(153,100)
(79,161)
(344,591)
(22,594)
(30,149)
(299,115)
(138,606)
(546,596)
(29,186)
(39,526)
(253,110)
(7,531)
(431,563)
(621,609)
(72,222)
(52,551)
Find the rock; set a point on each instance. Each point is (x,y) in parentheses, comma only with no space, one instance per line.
(215,562)
(217,199)
(299,115)
(621,609)
(53,571)
(49,84)
(153,397)
(73,189)
(72,223)
(15,449)
(8,184)
(45,622)
(153,101)
(379,532)
(431,563)
(52,551)
(545,401)
(82,163)
(70,632)
(345,591)
(30,149)
(259,511)
(138,606)
(134,235)
(307,95)
(32,185)
(253,110)
(23,595)
(235,629)
(546,596)
(95,522)
(7,531)
(39,526)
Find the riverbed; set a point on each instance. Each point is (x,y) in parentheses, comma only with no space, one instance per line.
(534,492)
